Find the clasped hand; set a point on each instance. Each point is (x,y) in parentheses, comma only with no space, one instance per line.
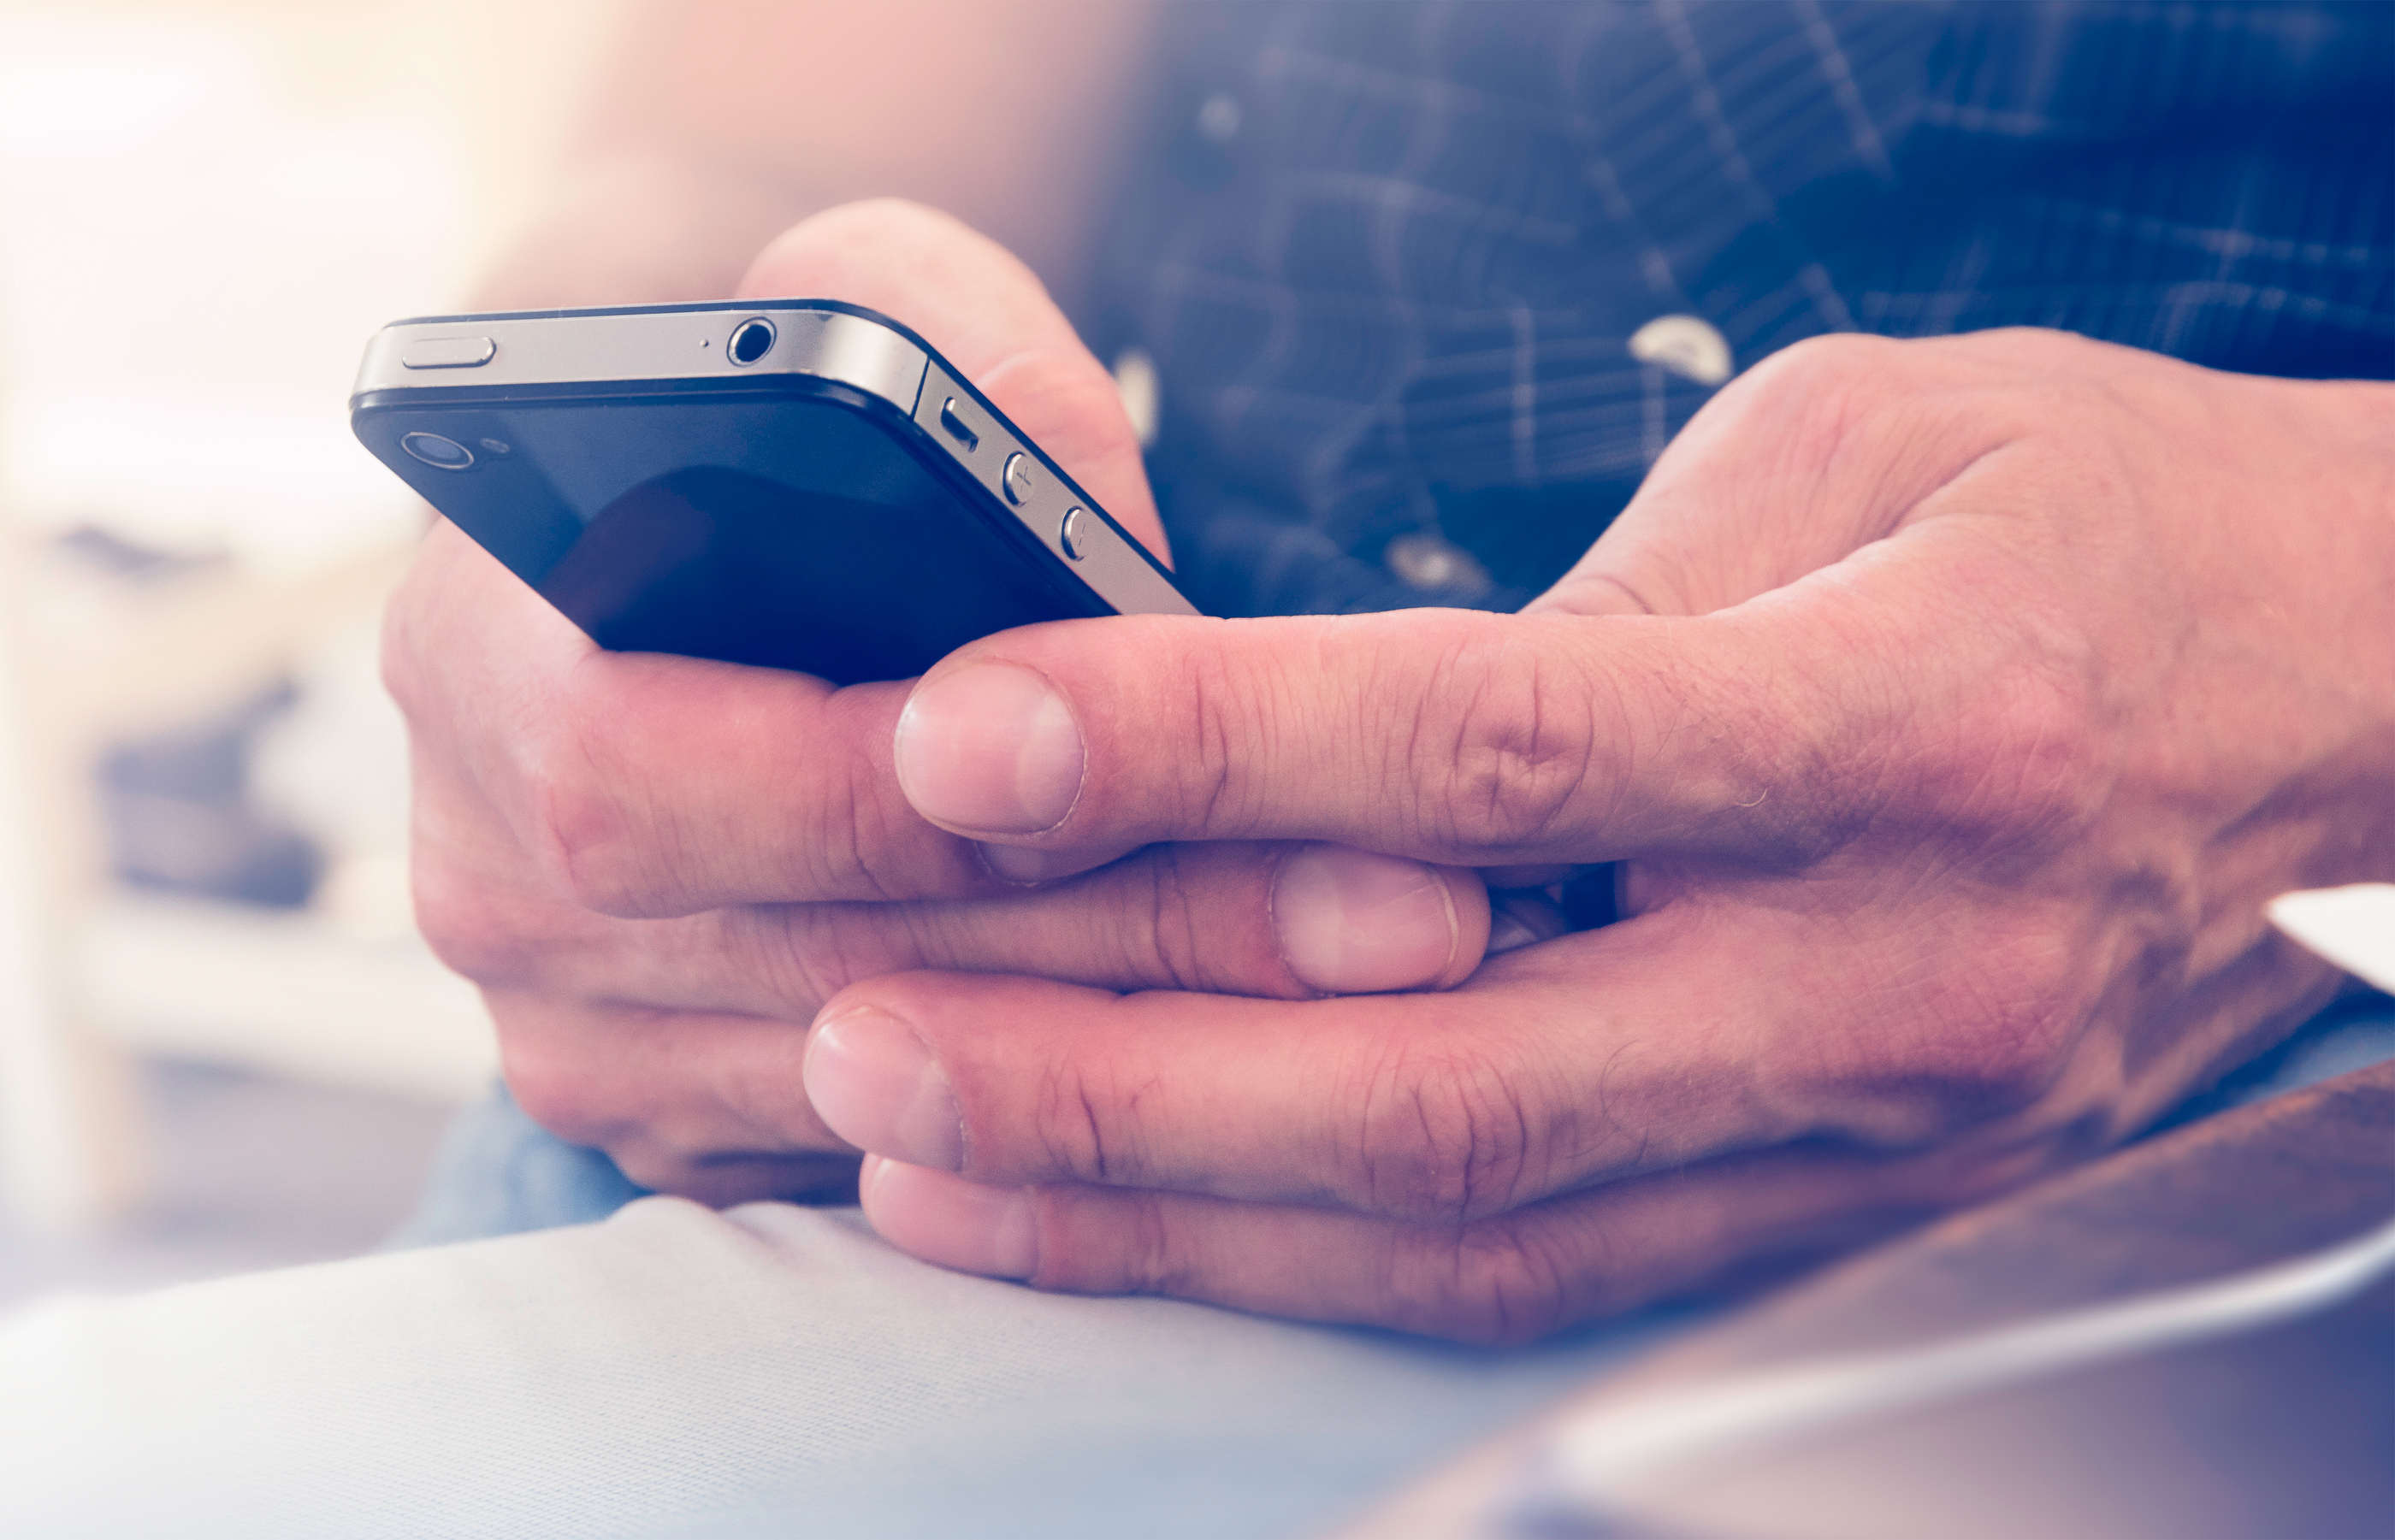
(1949,707)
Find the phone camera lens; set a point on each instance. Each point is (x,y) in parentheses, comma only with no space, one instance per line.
(435,450)
(752,340)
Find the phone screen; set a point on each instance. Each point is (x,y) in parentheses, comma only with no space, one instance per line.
(788,532)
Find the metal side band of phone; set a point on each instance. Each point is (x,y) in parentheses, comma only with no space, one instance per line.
(1043,501)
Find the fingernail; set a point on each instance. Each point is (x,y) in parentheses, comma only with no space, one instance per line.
(1013,863)
(990,746)
(1351,922)
(875,1085)
(1016,863)
(952,1221)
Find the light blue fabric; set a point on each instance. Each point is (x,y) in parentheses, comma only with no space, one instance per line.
(500,1173)
(1155,1427)
(768,1370)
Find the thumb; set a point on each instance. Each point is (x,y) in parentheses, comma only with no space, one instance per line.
(1451,737)
(990,317)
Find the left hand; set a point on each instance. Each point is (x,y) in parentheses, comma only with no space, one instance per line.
(657,868)
(1954,706)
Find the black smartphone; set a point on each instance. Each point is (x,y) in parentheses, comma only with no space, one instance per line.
(795,483)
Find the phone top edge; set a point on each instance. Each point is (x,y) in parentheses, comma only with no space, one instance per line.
(644,344)
(791,302)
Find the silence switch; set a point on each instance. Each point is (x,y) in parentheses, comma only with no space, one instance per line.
(959,429)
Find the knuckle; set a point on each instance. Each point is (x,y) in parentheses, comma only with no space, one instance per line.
(1198,918)
(577,826)
(1231,703)
(1514,755)
(1169,947)
(560,1089)
(1444,1135)
(855,839)
(1828,381)
(1491,1284)
(1986,1041)
(2025,1009)
(1111,1241)
(802,954)
(1087,1118)
(879,250)
(590,810)
(2023,758)
(1839,412)
(1060,394)
(473,931)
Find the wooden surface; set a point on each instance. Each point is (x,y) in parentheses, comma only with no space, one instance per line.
(2285,1432)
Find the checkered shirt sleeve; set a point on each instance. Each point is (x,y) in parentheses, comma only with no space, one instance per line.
(1390,257)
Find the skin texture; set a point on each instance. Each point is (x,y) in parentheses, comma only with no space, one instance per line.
(659,868)
(1954,707)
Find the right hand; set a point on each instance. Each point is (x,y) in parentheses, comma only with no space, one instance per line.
(657,868)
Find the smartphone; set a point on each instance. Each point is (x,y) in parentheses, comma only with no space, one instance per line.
(794,483)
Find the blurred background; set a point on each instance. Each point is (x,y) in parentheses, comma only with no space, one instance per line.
(222,1046)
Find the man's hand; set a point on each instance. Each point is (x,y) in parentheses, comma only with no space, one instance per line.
(659,867)
(1954,706)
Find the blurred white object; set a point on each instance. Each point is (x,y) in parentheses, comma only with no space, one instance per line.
(2353,928)
(66,1132)
(1684,345)
(196,256)
(335,765)
(285,994)
(1142,392)
(79,668)
(210,207)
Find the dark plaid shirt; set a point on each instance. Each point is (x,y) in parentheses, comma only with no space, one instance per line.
(1389,258)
